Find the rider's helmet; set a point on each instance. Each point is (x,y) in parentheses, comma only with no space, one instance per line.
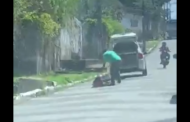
(163,43)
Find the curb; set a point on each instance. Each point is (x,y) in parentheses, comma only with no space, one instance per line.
(50,89)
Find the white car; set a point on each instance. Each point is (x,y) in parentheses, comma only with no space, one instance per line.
(133,59)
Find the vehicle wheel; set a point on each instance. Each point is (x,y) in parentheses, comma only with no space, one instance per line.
(164,66)
(144,72)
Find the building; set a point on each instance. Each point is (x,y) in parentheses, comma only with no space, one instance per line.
(132,22)
(171,28)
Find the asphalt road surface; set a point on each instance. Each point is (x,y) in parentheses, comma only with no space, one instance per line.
(136,99)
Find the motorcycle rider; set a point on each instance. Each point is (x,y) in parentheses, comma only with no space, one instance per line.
(164,51)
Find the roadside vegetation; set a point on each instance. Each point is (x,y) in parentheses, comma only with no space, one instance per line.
(62,79)
(152,44)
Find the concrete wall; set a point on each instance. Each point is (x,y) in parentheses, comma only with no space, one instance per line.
(71,39)
(25,85)
(28,84)
(29,52)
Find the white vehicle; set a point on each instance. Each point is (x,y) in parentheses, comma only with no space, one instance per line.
(133,59)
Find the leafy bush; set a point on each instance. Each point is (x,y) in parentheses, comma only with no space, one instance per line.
(113,26)
(49,15)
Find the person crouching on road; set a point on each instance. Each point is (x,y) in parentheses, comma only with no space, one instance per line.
(114,59)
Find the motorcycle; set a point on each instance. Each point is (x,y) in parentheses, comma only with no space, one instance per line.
(165,59)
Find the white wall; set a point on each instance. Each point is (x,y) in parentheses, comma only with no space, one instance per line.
(71,39)
(126,21)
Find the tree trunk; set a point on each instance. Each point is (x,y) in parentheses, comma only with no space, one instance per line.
(44,55)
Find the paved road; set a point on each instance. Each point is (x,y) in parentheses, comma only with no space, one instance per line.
(136,99)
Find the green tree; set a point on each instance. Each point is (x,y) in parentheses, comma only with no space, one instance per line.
(50,15)
(111,15)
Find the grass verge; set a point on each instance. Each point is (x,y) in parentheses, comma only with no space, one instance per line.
(151,44)
(68,78)
(62,79)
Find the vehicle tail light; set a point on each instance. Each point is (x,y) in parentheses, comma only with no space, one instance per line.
(140,55)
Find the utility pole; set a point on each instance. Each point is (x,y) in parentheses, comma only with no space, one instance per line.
(165,20)
(168,11)
(170,5)
(143,26)
(99,23)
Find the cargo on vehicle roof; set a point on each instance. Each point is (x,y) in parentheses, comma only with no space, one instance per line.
(123,35)
(127,37)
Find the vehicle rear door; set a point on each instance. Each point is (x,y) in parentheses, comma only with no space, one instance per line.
(128,51)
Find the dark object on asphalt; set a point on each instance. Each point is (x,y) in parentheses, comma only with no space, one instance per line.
(101,80)
(173,99)
(97,82)
(175,56)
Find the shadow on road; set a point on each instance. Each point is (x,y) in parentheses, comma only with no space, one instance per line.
(130,76)
(107,81)
(168,120)
(160,68)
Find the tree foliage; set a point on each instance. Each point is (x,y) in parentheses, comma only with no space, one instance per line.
(111,11)
(50,15)
(113,26)
(148,3)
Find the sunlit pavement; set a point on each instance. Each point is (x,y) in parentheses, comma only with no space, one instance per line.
(136,99)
